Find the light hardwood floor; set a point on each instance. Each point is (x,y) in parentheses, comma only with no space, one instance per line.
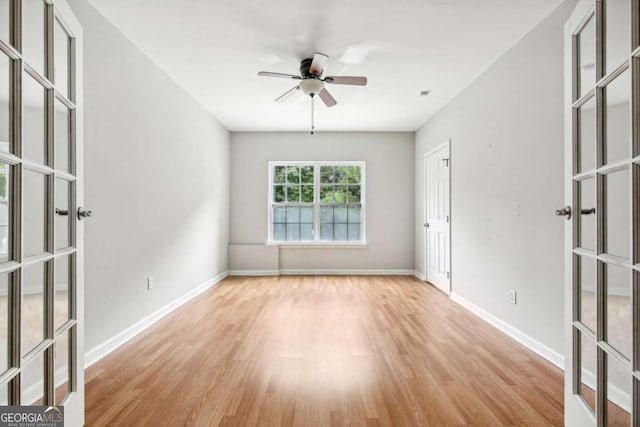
(323,351)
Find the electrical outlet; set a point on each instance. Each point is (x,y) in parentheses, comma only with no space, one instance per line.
(512,296)
(149,283)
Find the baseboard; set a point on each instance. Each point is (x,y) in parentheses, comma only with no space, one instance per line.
(524,339)
(254,272)
(420,276)
(101,350)
(345,272)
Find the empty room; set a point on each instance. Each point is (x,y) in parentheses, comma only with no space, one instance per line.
(293,213)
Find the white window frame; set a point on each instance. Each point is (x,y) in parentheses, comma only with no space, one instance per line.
(316,204)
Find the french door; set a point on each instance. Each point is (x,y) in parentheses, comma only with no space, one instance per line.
(602,63)
(41,314)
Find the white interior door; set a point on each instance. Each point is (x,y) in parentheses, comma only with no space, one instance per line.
(437,220)
(602,172)
(41,235)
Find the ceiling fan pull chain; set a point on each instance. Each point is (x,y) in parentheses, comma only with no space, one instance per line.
(312,118)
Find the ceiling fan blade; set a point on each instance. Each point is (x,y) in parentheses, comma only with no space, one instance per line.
(326,97)
(346,80)
(287,94)
(318,63)
(281,75)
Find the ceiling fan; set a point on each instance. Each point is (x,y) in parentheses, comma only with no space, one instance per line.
(312,83)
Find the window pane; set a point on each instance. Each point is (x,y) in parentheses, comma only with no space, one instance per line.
(354,232)
(34,213)
(587,217)
(587,57)
(618,393)
(340,232)
(326,232)
(354,214)
(5,85)
(4,322)
(293,193)
(33,21)
(618,127)
(4,26)
(326,175)
(279,214)
(293,214)
(306,214)
(307,175)
(353,194)
(341,174)
(326,193)
(306,232)
(587,142)
(61,63)
(33,381)
(5,204)
(34,120)
(279,232)
(61,371)
(587,377)
(307,194)
(62,287)
(326,214)
(619,308)
(618,32)
(32,306)
(618,213)
(278,193)
(293,175)
(293,232)
(340,194)
(62,145)
(340,214)
(587,295)
(63,214)
(280,176)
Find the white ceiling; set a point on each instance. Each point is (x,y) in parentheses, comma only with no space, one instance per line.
(214,49)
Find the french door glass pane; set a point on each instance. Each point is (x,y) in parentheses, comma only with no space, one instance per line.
(4,395)
(6,173)
(4,322)
(61,367)
(587,370)
(61,58)
(619,308)
(33,381)
(618,32)
(587,215)
(587,141)
(34,212)
(33,34)
(34,120)
(62,289)
(5,111)
(587,58)
(618,393)
(587,293)
(63,214)
(4,21)
(61,137)
(618,213)
(618,111)
(33,302)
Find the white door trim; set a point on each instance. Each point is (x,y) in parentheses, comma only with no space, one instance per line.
(439,147)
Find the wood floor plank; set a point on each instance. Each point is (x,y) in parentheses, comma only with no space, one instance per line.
(323,351)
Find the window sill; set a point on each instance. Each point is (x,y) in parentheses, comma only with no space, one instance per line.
(327,245)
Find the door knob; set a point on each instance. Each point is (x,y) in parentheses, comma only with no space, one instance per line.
(83,214)
(566,211)
(426,225)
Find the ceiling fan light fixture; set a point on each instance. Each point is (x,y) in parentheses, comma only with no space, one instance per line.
(311,86)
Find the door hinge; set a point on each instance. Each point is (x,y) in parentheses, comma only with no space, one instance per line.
(447,274)
(447,219)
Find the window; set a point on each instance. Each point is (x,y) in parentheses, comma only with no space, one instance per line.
(316,202)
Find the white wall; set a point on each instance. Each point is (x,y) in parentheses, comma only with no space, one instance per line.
(157,180)
(506,133)
(389,200)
